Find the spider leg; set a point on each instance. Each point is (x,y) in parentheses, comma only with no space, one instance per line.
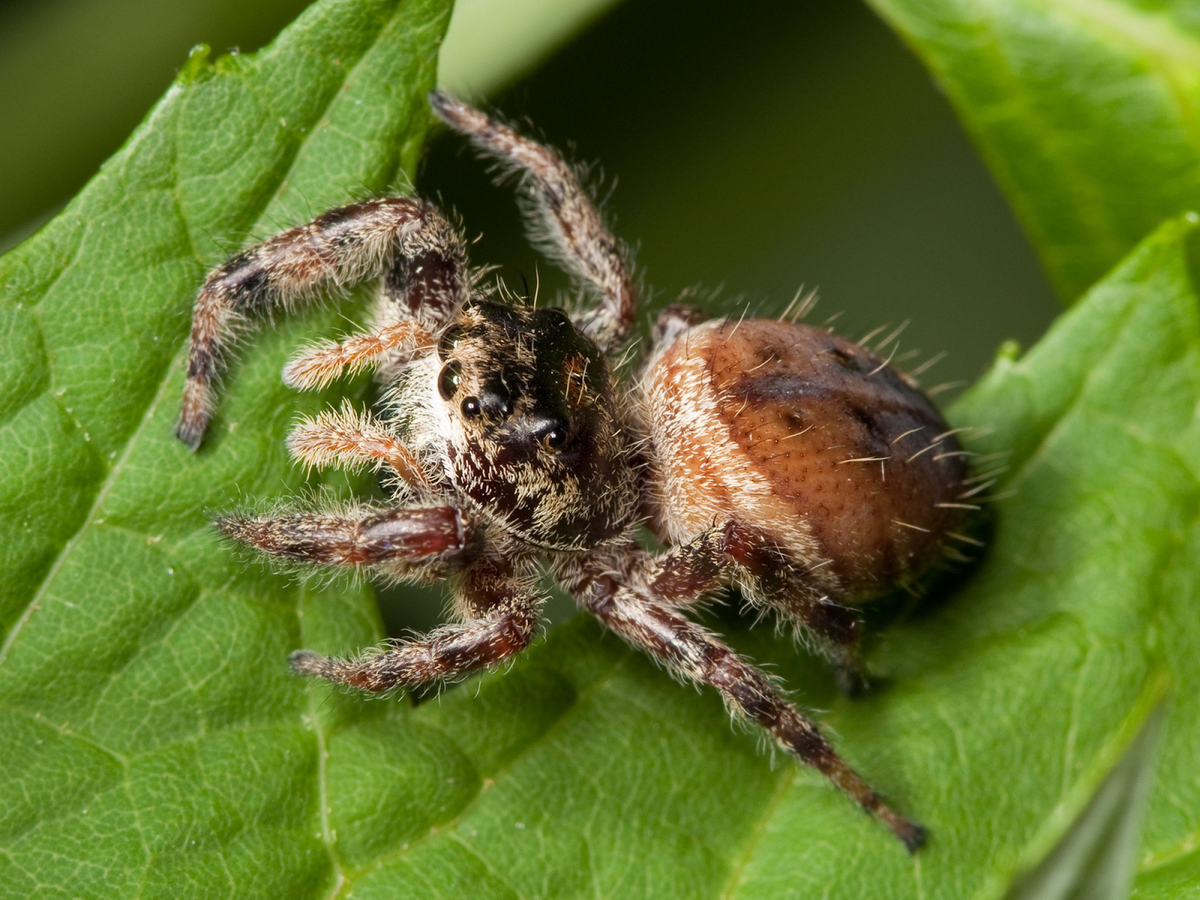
(317,365)
(565,221)
(508,611)
(694,653)
(789,588)
(410,542)
(686,573)
(349,438)
(406,240)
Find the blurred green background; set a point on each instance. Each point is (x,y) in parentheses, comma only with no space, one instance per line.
(756,150)
(752,151)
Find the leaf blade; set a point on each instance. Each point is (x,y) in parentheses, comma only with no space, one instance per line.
(129,632)
(182,752)
(1083,109)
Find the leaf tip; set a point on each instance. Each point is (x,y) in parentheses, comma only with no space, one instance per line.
(1177,228)
(197,64)
(1008,352)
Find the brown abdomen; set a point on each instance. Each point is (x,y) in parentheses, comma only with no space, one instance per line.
(807,437)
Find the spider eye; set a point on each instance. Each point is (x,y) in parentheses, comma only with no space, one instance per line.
(449,380)
(449,340)
(471,408)
(552,433)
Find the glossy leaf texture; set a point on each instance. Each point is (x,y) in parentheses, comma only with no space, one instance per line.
(152,742)
(143,749)
(1008,701)
(1096,858)
(1085,110)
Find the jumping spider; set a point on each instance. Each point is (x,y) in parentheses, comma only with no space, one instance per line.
(770,455)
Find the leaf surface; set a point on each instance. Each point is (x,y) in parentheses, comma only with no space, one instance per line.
(152,742)
(1085,111)
(144,749)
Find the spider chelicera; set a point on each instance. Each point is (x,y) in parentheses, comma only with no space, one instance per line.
(775,456)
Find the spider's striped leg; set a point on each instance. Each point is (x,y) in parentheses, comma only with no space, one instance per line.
(773,578)
(423,543)
(508,611)
(684,574)
(408,241)
(319,364)
(564,220)
(696,654)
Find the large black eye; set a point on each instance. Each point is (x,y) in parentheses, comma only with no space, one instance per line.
(450,338)
(552,433)
(471,408)
(449,380)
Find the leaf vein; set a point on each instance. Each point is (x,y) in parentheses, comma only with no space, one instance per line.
(509,764)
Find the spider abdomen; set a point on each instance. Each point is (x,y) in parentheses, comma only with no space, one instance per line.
(807,438)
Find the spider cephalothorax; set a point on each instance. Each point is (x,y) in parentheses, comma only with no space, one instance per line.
(763,453)
(528,412)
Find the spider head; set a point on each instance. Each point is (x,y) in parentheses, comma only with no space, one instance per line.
(532,432)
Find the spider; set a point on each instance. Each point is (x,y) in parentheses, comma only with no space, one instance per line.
(765,454)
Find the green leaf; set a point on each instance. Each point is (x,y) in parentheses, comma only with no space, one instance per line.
(152,742)
(1095,859)
(144,749)
(1085,110)
(1009,700)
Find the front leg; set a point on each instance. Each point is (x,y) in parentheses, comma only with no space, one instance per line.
(691,652)
(406,240)
(420,543)
(351,439)
(564,221)
(508,612)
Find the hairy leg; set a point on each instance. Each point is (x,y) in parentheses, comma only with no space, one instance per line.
(406,240)
(693,653)
(416,542)
(565,220)
(349,438)
(685,574)
(784,585)
(508,611)
(319,364)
